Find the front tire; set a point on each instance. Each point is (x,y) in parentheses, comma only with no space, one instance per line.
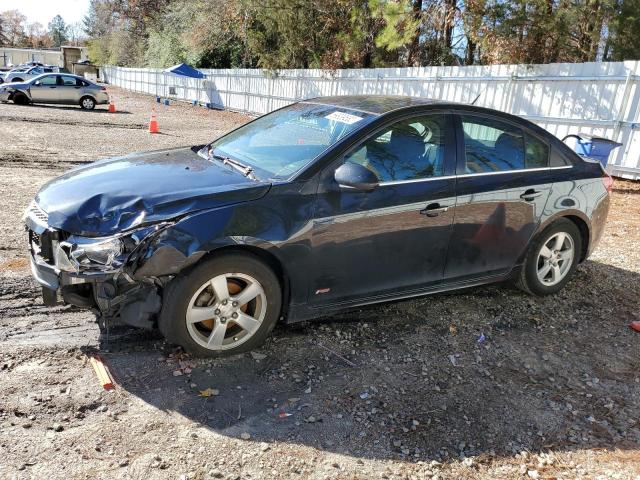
(20,99)
(87,103)
(224,306)
(552,259)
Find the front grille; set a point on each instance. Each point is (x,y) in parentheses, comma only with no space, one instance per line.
(42,245)
(36,212)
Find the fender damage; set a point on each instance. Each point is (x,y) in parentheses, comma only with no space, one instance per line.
(141,208)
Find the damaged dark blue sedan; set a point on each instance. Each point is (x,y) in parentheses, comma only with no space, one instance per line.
(323,205)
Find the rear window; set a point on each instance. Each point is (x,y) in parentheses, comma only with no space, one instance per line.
(492,145)
(69,81)
(558,160)
(536,152)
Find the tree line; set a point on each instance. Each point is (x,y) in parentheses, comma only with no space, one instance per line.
(16,31)
(330,34)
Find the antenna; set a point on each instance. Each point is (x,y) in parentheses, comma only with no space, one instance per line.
(480,94)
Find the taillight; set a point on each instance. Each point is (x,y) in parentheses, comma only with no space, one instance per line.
(103,88)
(608,183)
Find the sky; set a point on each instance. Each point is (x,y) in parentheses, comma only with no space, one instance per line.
(44,10)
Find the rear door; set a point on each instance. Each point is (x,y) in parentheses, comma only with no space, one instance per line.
(392,240)
(503,183)
(44,90)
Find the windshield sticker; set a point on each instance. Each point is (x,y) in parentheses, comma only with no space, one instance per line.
(343,117)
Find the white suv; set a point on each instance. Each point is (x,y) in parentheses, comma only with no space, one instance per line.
(22,74)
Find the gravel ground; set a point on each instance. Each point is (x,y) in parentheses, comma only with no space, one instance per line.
(404,390)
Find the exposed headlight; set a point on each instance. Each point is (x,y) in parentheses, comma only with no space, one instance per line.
(102,253)
(89,251)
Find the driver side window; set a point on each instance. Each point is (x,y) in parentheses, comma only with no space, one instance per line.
(410,149)
(49,80)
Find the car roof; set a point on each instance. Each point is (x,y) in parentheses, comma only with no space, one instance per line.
(382,104)
(376,104)
(49,74)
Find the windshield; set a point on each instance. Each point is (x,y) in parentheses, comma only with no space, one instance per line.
(280,143)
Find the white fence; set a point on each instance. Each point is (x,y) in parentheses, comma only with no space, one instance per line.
(597,98)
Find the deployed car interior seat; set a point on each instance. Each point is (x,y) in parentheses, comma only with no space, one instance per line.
(509,151)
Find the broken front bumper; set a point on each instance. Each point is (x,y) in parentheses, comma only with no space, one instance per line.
(42,248)
(49,277)
(113,294)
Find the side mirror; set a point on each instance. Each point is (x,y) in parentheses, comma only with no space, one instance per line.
(37,84)
(354,175)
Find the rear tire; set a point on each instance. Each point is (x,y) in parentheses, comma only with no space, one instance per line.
(205,309)
(87,103)
(552,259)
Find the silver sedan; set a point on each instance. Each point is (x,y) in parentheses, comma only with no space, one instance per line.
(63,89)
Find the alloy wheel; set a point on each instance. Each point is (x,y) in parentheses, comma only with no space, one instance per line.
(226,311)
(87,103)
(555,259)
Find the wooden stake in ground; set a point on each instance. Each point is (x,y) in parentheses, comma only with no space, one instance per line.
(101,372)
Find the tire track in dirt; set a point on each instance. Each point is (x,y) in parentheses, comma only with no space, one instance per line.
(49,121)
(14,159)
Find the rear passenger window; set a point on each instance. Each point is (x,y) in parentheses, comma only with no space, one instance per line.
(536,153)
(68,81)
(558,160)
(492,145)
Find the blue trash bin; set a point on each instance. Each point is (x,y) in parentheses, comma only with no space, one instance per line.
(594,147)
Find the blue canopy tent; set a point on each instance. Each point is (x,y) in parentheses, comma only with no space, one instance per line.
(186,73)
(184,70)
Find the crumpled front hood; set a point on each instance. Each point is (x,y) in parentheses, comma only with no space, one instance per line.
(116,194)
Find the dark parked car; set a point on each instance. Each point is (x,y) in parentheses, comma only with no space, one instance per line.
(324,205)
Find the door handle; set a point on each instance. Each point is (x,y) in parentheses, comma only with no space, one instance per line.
(433,210)
(530,194)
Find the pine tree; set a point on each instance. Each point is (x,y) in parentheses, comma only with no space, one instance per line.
(58,31)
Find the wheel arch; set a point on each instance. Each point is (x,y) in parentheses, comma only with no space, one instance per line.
(579,219)
(585,234)
(88,95)
(166,258)
(266,256)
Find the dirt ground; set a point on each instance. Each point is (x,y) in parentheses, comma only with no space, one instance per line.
(484,383)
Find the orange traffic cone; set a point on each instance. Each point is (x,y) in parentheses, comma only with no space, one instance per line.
(153,123)
(112,107)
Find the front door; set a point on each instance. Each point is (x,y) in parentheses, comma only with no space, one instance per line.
(502,189)
(391,240)
(70,89)
(45,89)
